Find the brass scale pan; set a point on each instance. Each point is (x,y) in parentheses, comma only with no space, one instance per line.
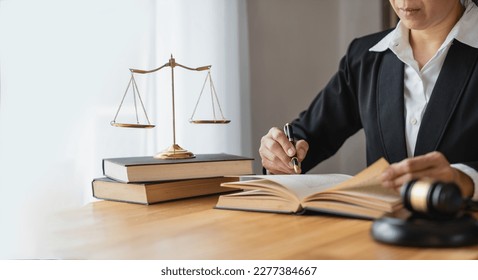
(132,125)
(209,121)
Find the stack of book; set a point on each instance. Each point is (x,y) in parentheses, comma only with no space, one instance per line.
(147,180)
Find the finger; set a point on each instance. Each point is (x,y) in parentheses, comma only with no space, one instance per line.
(275,168)
(429,160)
(401,180)
(391,178)
(273,154)
(302,148)
(280,137)
(441,173)
(271,143)
(414,165)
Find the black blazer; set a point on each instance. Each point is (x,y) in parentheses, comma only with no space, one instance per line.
(367,92)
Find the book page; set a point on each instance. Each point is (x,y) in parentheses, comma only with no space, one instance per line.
(258,200)
(299,186)
(367,177)
(366,197)
(363,189)
(374,192)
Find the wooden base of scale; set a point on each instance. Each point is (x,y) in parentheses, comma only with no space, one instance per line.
(175,152)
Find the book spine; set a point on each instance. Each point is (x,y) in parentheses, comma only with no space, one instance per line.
(103,166)
(93,188)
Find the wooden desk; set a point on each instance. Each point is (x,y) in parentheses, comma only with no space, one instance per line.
(191,229)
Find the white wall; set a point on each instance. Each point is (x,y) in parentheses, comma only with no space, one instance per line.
(63,70)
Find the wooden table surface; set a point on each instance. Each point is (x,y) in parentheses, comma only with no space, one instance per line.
(192,229)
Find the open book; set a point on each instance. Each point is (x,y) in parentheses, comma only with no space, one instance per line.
(357,196)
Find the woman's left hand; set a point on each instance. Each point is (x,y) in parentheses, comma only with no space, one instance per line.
(433,165)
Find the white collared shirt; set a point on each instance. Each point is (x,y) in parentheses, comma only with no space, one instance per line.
(419,83)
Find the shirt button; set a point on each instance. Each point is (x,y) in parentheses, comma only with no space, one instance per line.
(413,121)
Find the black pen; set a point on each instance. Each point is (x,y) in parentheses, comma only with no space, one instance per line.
(290,135)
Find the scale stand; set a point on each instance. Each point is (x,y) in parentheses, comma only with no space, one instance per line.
(174,151)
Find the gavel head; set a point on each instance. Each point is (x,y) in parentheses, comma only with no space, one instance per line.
(432,199)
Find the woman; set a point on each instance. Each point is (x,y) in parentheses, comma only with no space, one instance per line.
(414,91)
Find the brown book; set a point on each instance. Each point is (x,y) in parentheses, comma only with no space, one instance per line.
(358,196)
(149,169)
(154,192)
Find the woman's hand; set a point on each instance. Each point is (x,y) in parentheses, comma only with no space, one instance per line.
(433,165)
(276,152)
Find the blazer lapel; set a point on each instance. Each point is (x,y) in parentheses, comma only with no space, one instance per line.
(390,107)
(445,96)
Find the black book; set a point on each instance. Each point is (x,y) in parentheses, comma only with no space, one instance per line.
(149,169)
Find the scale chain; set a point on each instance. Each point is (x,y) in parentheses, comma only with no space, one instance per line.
(200,94)
(134,102)
(140,99)
(132,83)
(121,104)
(213,96)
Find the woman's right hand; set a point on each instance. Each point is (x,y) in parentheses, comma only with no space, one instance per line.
(276,152)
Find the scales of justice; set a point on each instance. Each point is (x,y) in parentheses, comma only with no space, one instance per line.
(174,151)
